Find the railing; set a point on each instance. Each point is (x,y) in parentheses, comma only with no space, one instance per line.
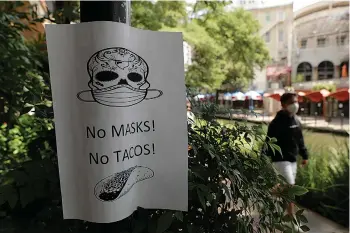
(338,82)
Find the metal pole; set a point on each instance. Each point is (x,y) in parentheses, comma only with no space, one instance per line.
(302,114)
(342,120)
(316,113)
(116,11)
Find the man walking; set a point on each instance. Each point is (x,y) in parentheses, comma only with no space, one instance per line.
(286,128)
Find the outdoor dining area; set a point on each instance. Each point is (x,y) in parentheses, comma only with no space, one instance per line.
(321,103)
(251,100)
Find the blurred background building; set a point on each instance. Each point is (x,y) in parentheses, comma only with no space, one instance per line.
(320,54)
(187,49)
(276,20)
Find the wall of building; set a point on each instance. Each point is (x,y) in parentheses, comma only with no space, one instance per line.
(187,50)
(324,19)
(37,28)
(276,29)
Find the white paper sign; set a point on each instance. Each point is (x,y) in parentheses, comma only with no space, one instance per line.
(120,118)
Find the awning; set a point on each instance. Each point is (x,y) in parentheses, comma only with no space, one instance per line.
(341,94)
(199,97)
(317,96)
(275,96)
(253,95)
(210,96)
(238,96)
(228,96)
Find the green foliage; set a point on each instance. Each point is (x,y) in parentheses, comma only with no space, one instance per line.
(325,86)
(227,48)
(23,85)
(327,177)
(299,78)
(229,185)
(16,142)
(155,15)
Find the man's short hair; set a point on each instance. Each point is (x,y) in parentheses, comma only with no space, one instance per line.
(287,96)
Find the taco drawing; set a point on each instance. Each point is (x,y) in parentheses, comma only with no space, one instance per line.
(117,185)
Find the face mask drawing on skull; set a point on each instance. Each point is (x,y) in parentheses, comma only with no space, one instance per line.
(118,78)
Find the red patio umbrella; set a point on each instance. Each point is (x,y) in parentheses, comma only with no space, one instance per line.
(317,96)
(275,96)
(341,94)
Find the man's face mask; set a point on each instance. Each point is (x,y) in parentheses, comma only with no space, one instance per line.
(293,108)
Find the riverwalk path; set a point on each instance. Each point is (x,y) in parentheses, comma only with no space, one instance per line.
(319,224)
(337,125)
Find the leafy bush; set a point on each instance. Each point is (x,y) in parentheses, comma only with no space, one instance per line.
(24,85)
(328,87)
(16,143)
(229,186)
(327,178)
(299,78)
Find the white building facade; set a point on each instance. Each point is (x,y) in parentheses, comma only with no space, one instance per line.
(276,20)
(187,50)
(321,52)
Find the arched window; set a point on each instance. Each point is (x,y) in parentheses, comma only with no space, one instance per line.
(325,70)
(305,70)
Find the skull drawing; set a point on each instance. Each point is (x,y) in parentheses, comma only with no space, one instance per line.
(118,78)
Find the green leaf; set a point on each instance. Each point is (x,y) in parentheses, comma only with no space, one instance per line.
(279,227)
(299,212)
(20,177)
(2,198)
(302,218)
(152,226)
(201,198)
(27,195)
(140,226)
(289,230)
(305,228)
(164,222)
(9,194)
(287,218)
(297,191)
(190,228)
(210,151)
(203,187)
(39,188)
(179,215)
(12,200)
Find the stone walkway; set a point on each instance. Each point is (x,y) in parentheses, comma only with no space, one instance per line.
(309,122)
(316,222)
(319,224)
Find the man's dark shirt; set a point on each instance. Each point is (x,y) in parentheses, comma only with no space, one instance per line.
(287,130)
